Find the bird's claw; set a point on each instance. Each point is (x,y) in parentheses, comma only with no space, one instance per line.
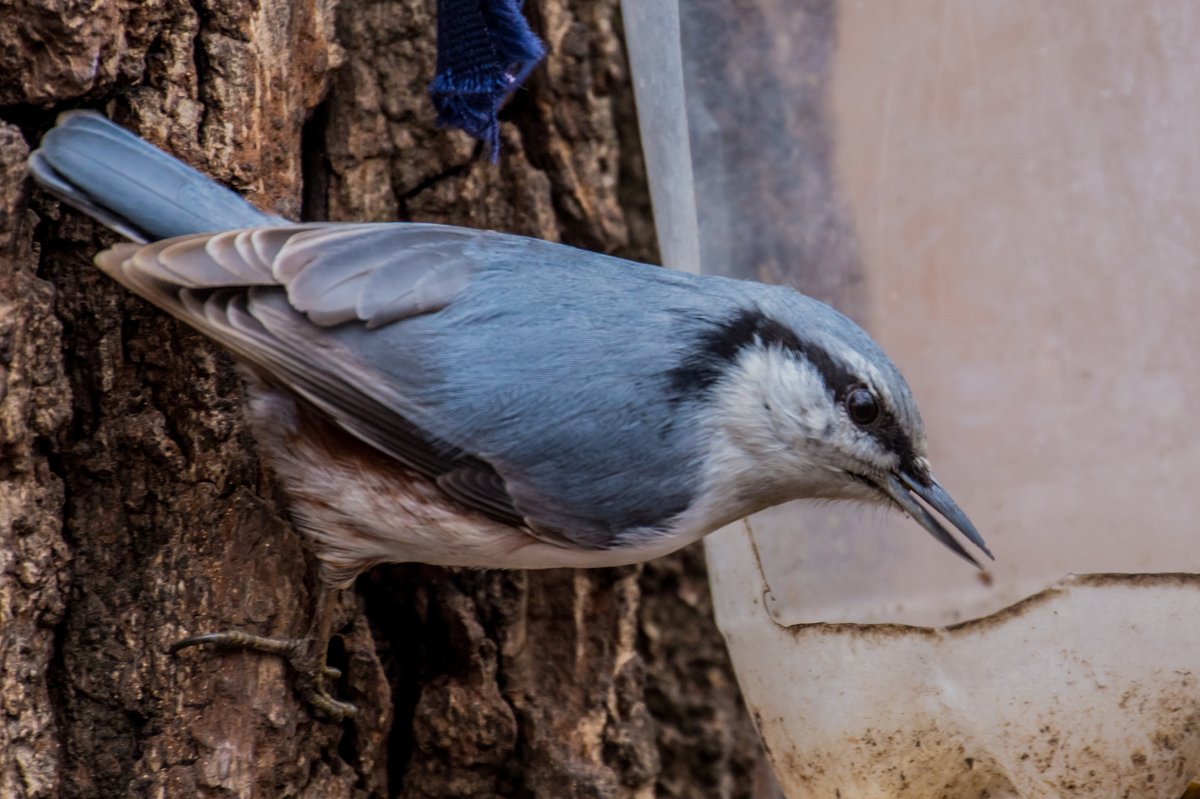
(304,656)
(332,708)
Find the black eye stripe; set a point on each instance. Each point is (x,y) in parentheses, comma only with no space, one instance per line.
(721,344)
(893,439)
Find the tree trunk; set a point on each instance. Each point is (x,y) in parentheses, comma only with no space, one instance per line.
(135,510)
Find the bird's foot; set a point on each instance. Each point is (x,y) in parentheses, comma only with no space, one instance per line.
(305,657)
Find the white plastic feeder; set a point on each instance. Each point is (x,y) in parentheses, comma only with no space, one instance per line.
(1012,193)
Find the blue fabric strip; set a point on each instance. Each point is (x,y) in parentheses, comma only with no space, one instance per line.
(485,50)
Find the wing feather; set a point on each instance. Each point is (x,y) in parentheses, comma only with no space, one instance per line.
(269,295)
(476,484)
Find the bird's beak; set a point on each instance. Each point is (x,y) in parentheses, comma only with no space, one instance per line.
(901,487)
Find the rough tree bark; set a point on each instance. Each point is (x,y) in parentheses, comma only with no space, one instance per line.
(134,509)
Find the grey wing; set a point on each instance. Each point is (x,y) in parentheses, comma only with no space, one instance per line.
(269,295)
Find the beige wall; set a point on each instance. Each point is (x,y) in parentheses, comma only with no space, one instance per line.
(1024,183)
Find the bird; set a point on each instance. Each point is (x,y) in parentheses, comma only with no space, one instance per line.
(460,397)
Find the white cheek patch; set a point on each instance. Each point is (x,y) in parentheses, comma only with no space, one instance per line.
(799,396)
(868,449)
(795,410)
(778,400)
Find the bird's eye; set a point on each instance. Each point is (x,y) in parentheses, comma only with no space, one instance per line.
(862,406)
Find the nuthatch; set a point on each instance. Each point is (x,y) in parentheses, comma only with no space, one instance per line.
(469,398)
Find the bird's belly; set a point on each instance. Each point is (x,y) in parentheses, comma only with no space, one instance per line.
(362,508)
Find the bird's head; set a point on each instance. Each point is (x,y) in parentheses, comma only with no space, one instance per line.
(805,405)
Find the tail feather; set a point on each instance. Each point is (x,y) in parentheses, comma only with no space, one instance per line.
(131,186)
